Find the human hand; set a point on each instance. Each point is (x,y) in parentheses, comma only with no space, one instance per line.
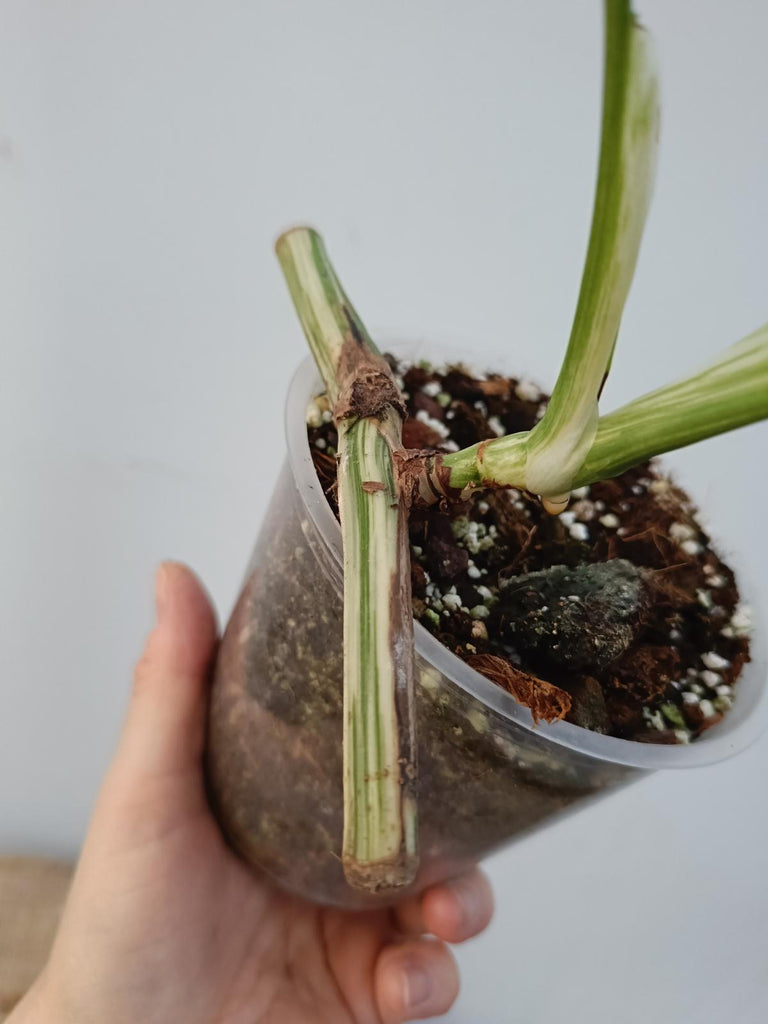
(164,923)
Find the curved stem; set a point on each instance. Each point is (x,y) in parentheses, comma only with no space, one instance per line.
(559,443)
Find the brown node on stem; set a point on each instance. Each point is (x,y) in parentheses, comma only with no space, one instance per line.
(366,385)
(424,479)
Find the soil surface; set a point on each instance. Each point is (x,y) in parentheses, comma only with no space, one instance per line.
(617,615)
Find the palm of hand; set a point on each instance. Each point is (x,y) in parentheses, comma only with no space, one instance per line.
(172,926)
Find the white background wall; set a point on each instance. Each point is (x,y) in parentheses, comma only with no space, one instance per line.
(149,154)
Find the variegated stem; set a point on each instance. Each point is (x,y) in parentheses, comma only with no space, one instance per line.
(559,444)
(380,811)
(730,392)
(379,849)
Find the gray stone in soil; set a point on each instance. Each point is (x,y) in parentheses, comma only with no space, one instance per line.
(578,618)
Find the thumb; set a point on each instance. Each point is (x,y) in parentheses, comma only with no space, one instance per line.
(165,728)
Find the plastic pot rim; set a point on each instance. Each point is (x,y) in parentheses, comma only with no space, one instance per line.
(742,725)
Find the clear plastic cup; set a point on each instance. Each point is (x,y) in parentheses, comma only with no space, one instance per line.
(487,774)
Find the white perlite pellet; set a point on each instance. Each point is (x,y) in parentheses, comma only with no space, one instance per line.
(710,678)
(433,424)
(584,510)
(741,622)
(432,388)
(678,532)
(715,661)
(610,521)
(579,531)
(655,719)
(314,415)
(705,599)
(496,426)
(527,391)
(479,630)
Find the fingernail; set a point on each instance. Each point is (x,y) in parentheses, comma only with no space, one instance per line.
(161,591)
(417,986)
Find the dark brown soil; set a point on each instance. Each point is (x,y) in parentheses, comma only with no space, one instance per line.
(688,639)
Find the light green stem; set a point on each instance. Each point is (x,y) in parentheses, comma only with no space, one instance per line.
(728,393)
(379,848)
(325,312)
(559,443)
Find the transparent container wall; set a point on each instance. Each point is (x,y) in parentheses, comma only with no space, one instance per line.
(275,731)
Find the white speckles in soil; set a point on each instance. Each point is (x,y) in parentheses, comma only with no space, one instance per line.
(527,391)
(579,531)
(610,521)
(715,661)
(437,425)
(741,622)
(710,678)
(314,414)
(679,532)
(691,548)
(707,708)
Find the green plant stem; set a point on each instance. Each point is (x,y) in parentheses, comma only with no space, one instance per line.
(559,444)
(325,312)
(728,393)
(379,849)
